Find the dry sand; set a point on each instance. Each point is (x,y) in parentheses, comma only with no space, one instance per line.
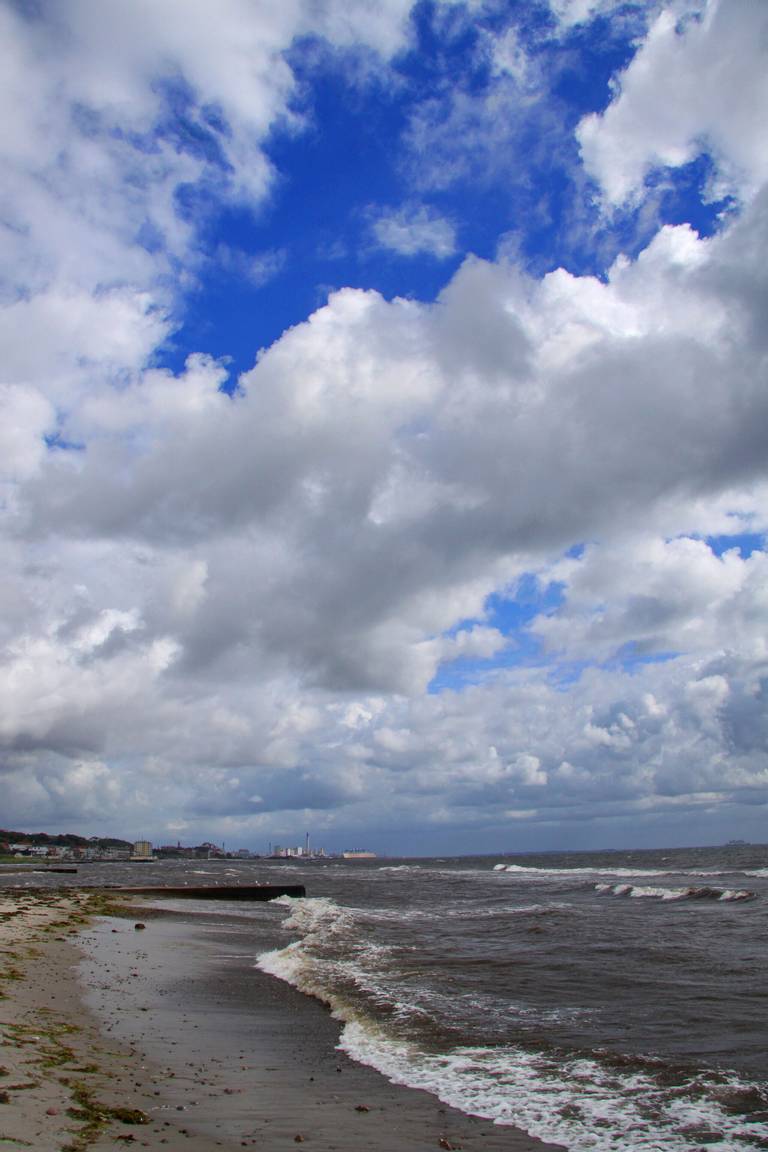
(179,1025)
(61,1082)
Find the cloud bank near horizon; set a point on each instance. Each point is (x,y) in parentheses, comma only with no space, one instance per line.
(476,567)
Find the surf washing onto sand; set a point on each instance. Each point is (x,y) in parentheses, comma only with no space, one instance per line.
(606,1002)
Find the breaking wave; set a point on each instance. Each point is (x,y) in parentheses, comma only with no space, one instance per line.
(590,1101)
(706,892)
(582,1102)
(521,871)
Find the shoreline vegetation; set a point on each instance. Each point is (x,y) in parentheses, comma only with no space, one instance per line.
(69,1084)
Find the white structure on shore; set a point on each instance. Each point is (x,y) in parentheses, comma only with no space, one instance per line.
(298,851)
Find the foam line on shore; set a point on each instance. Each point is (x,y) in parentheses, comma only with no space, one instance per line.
(251,1057)
(588,1100)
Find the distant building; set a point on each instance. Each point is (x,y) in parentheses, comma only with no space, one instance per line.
(142,850)
(296,852)
(210,851)
(112,853)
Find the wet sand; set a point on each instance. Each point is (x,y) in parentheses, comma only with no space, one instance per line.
(178,1023)
(250,1059)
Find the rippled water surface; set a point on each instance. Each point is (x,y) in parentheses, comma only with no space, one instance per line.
(605,1001)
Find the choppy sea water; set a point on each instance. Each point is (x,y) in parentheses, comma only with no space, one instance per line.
(603,1001)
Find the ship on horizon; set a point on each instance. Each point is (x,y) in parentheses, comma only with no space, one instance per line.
(358,854)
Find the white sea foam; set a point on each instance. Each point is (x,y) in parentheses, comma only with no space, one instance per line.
(640,873)
(576,1102)
(302,964)
(520,870)
(319,919)
(639,891)
(313,915)
(583,1103)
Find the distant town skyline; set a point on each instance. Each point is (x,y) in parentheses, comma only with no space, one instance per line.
(383,422)
(94,847)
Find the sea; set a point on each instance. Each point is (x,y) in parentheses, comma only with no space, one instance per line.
(603,1001)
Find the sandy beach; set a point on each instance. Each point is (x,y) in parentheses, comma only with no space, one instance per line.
(173,1027)
(64,1087)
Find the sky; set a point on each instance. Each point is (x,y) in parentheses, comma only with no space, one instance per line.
(384,431)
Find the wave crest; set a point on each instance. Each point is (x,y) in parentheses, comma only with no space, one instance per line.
(705,892)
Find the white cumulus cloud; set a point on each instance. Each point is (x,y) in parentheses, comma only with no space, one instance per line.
(684,93)
(413,230)
(227,609)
